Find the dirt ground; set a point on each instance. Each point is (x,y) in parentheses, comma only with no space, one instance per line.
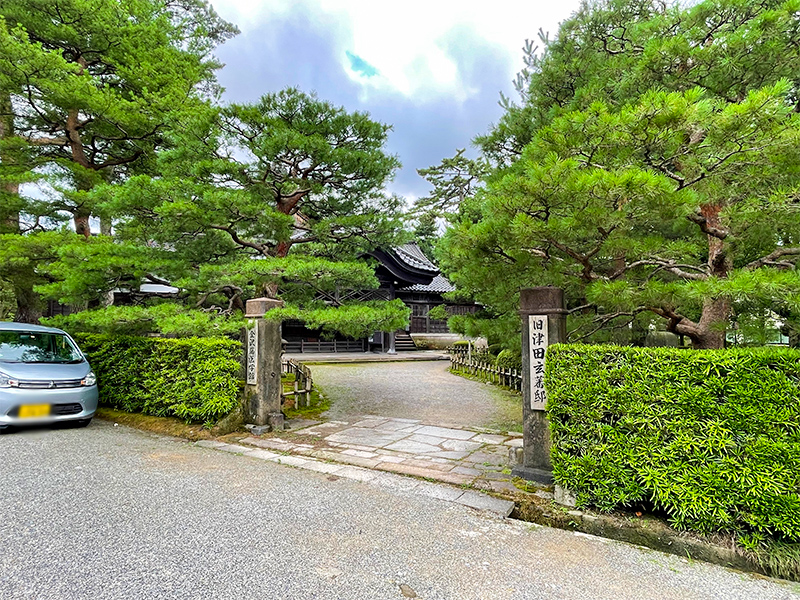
(416,390)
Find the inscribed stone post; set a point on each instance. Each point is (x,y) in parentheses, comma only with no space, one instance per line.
(543,323)
(263,365)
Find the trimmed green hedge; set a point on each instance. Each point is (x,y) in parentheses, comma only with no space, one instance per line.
(711,437)
(196,379)
(508,359)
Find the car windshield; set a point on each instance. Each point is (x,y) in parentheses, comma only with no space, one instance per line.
(37,347)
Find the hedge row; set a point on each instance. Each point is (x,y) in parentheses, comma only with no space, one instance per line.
(196,379)
(711,437)
(508,359)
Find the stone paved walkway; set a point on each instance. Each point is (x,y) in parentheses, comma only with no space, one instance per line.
(468,457)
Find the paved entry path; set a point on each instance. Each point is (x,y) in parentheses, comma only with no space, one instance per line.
(424,391)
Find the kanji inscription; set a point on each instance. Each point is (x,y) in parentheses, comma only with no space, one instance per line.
(252,353)
(537,345)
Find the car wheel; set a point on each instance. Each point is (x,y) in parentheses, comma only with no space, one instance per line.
(83,422)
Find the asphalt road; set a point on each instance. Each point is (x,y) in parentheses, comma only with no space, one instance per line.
(108,512)
(416,390)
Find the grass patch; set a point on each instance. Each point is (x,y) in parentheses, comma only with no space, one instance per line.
(161,425)
(779,559)
(318,402)
(467,375)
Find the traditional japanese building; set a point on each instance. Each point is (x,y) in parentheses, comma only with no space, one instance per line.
(404,273)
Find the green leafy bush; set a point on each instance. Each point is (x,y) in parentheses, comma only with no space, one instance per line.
(196,379)
(494,349)
(711,437)
(508,359)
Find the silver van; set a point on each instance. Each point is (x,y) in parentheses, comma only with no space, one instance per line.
(44,377)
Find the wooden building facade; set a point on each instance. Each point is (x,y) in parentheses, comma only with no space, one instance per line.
(404,273)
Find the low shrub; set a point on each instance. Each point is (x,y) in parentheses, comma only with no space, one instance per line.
(710,437)
(494,349)
(508,359)
(196,379)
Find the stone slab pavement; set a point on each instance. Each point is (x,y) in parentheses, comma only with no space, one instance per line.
(470,498)
(467,457)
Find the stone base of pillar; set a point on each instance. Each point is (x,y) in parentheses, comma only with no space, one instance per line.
(258,430)
(531,474)
(276,421)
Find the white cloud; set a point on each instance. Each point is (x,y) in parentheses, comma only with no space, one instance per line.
(407,41)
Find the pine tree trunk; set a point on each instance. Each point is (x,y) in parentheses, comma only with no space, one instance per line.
(794,338)
(81,215)
(29,304)
(81,221)
(10,188)
(716,311)
(711,326)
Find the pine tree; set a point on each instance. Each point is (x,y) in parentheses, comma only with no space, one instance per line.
(280,198)
(651,169)
(87,90)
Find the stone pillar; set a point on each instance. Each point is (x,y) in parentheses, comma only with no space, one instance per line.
(263,366)
(544,322)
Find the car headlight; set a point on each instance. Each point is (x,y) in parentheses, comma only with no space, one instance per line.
(90,379)
(6,381)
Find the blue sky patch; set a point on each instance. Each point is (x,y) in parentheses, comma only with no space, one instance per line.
(359,65)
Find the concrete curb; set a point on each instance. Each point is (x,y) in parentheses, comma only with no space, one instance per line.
(437,491)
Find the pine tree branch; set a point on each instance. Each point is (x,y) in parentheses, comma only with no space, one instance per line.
(46,141)
(664,265)
(700,220)
(588,273)
(603,320)
(260,248)
(677,322)
(770,259)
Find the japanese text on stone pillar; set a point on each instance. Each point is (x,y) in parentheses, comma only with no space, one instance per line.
(537,345)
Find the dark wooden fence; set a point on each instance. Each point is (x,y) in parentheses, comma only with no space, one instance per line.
(302,385)
(483,366)
(326,346)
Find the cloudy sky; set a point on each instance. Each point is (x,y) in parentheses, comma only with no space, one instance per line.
(432,69)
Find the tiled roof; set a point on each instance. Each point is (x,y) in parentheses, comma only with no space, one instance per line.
(439,285)
(413,256)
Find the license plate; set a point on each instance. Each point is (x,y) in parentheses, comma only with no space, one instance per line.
(31,411)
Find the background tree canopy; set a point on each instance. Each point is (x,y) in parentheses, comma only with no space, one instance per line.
(112,107)
(87,91)
(650,169)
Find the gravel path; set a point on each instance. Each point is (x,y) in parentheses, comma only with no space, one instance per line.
(416,390)
(111,513)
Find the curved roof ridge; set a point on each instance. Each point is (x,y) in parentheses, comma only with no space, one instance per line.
(439,285)
(412,255)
